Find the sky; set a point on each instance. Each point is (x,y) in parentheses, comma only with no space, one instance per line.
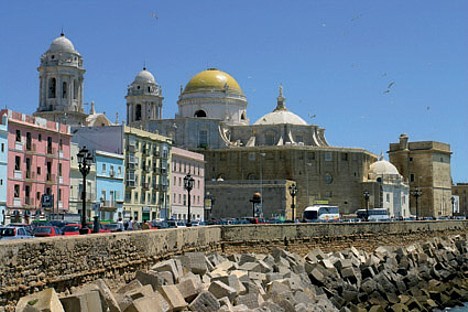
(365,70)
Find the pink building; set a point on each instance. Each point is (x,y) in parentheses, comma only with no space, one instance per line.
(186,162)
(38,170)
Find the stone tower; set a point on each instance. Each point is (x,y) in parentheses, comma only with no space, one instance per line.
(61,83)
(426,167)
(144,100)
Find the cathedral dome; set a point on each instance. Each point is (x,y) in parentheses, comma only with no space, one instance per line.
(281,117)
(145,77)
(383,167)
(211,80)
(62,44)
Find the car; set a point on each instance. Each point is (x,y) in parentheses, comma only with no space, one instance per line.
(102,228)
(71,229)
(175,224)
(15,232)
(114,227)
(47,231)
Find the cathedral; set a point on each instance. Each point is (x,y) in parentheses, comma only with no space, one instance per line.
(267,156)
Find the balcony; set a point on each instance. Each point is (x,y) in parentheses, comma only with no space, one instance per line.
(50,178)
(30,148)
(51,152)
(30,175)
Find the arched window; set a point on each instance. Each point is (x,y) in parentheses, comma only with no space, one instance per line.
(243,116)
(138,112)
(64,90)
(75,89)
(200,114)
(52,88)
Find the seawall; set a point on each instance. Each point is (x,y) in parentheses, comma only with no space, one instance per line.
(27,266)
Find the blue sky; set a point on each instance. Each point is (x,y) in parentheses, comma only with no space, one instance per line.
(335,59)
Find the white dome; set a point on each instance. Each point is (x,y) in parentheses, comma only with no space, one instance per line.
(62,44)
(145,77)
(383,167)
(281,117)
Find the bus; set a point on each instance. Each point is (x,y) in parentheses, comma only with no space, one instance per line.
(375,214)
(321,213)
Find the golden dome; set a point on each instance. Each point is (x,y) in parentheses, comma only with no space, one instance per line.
(211,80)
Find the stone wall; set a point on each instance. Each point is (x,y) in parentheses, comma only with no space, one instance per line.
(27,266)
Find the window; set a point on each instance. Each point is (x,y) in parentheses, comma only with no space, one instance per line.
(52,88)
(60,170)
(60,194)
(17,191)
(185,200)
(17,163)
(64,90)
(138,112)
(344,156)
(388,198)
(38,171)
(18,135)
(103,168)
(328,156)
(412,177)
(3,147)
(203,138)
(28,141)
(39,137)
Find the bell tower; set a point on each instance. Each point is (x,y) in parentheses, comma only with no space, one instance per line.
(144,99)
(61,83)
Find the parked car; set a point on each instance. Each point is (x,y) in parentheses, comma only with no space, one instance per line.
(71,229)
(47,231)
(102,228)
(114,227)
(15,232)
(175,224)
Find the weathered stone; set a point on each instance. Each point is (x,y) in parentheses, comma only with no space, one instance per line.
(83,302)
(220,290)
(252,300)
(173,296)
(234,282)
(189,289)
(108,301)
(145,304)
(204,302)
(167,266)
(126,300)
(195,262)
(46,300)
(134,284)
(152,278)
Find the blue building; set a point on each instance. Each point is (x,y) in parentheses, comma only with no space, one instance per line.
(3,167)
(109,186)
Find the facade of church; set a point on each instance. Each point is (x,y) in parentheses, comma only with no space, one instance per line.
(278,149)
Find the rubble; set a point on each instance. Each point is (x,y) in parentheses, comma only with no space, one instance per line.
(419,277)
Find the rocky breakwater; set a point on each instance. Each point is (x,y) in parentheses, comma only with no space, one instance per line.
(418,277)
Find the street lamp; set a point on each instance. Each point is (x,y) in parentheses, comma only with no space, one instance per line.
(256,199)
(366,197)
(84,164)
(417,193)
(292,192)
(188,185)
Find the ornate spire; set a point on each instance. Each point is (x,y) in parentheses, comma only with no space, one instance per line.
(280,100)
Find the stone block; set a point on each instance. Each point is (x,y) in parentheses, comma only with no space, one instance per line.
(167,266)
(225,304)
(152,278)
(189,289)
(174,297)
(108,301)
(225,265)
(130,286)
(126,300)
(271,307)
(145,304)
(83,302)
(195,262)
(315,255)
(245,258)
(250,266)
(46,300)
(220,290)
(341,264)
(204,302)
(234,282)
(257,276)
(317,277)
(251,300)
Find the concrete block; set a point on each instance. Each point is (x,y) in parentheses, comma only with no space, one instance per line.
(264,267)
(46,300)
(244,258)
(271,307)
(234,282)
(195,262)
(130,286)
(189,289)
(108,301)
(251,300)
(152,278)
(174,297)
(83,302)
(126,300)
(168,266)
(257,276)
(204,302)
(250,266)
(315,255)
(145,304)
(220,290)
(225,304)
(225,265)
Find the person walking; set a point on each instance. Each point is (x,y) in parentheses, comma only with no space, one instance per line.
(130,224)
(136,224)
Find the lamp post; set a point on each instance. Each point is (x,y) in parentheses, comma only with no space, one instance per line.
(292,192)
(188,185)
(366,198)
(84,164)
(256,199)
(417,193)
